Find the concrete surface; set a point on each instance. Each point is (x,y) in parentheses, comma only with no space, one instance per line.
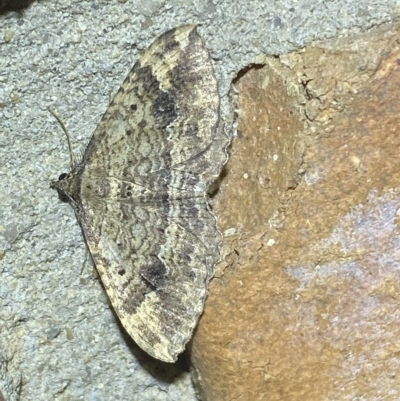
(59,339)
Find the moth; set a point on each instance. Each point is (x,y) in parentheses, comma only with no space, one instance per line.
(140,192)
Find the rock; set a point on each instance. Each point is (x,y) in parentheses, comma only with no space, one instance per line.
(305,304)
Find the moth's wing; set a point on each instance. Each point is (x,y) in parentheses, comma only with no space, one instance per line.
(143,203)
(155,258)
(164,117)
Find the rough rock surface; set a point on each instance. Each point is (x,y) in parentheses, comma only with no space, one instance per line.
(305,304)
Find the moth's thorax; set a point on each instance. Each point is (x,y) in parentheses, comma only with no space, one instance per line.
(68,185)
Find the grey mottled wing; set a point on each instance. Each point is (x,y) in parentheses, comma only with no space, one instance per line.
(166,113)
(143,204)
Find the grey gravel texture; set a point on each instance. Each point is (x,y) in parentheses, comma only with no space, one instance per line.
(59,339)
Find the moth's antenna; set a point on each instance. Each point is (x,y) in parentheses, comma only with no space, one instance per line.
(71,154)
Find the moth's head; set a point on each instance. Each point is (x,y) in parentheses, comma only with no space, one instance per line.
(63,187)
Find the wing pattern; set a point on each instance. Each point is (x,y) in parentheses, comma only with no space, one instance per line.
(140,192)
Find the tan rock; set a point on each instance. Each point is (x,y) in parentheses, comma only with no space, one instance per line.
(306,302)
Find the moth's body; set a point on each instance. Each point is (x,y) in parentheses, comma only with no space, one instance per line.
(140,192)
(68,185)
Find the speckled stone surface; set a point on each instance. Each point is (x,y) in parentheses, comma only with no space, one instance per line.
(59,339)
